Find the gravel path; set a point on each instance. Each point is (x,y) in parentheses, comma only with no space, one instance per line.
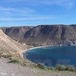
(9,69)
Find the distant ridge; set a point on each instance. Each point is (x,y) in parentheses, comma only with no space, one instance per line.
(44,34)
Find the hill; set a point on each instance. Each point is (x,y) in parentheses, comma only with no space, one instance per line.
(44,34)
(8,45)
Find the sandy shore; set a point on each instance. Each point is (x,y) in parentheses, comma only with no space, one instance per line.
(21,53)
(10,69)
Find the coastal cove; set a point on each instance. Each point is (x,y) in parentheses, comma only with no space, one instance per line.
(52,55)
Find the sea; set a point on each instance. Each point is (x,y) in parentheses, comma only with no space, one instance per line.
(52,55)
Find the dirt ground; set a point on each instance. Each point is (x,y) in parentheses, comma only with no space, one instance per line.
(10,69)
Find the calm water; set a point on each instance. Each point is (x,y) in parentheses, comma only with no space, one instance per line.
(51,56)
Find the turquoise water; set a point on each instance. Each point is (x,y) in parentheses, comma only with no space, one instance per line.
(51,56)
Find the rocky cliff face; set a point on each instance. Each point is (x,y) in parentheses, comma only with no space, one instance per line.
(44,34)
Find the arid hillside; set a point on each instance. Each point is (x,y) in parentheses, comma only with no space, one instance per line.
(16,33)
(43,34)
(8,45)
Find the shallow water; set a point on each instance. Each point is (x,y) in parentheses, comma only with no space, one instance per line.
(51,56)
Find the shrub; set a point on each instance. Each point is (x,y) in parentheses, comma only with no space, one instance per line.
(70,68)
(13,61)
(40,66)
(60,67)
(65,68)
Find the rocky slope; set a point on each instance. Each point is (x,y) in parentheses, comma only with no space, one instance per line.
(8,45)
(16,33)
(44,34)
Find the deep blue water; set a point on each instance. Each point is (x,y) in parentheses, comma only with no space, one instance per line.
(51,56)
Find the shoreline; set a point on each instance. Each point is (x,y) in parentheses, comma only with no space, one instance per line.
(22,52)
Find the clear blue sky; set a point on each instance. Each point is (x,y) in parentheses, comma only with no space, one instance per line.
(25,12)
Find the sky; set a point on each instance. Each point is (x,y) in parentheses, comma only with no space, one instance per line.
(34,12)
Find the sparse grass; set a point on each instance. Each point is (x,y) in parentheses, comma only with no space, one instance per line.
(16,59)
(13,61)
(13,58)
(65,68)
(6,56)
(40,66)
(57,68)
